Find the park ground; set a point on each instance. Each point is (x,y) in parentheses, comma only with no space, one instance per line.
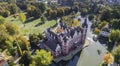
(32,25)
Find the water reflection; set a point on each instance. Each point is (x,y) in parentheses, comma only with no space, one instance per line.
(72,62)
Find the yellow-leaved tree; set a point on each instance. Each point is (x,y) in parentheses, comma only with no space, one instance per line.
(22,17)
(75,23)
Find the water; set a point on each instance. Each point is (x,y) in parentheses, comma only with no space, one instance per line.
(72,62)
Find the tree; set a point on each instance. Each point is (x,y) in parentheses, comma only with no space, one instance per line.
(43,19)
(41,36)
(116,54)
(34,40)
(33,11)
(37,13)
(107,58)
(76,8)
(12,29)
(23,43)
(22,5)
(75,23)
(53,14)
(102,24)
(84,12)
(41,6)
(114,36)
(68,21)
(106,15)
(60,12)
(6,13)
(2,20)
(47,14)
(67,10)
(13,8)
(26,58)
(115,23)
(22,17)
(6,41)
(97,31)
(91,17)
(12,1)
(30,10)
(116,12)
(43,58)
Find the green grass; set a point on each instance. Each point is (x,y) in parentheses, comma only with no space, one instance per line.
(30,27)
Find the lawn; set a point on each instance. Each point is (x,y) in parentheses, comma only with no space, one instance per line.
(30,27)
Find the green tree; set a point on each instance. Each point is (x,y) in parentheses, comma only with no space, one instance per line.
(33,11)
(12,1)
(6,13)
(91,17)
(76,8)
(115,23)
(47,14)
(53,14)
(114,36)
(60,12)
(41,36)
(43,58)
(34,40)
(67,10)
(102,24)
(6,40)
(106,15)
(41,6)
(68,21)
(13,8)
(26,58)
(23,43)
(43,19)
(116,54)
(2,20)
(116,12)
(22,17)
(84,12)
(12,29)
(30,10)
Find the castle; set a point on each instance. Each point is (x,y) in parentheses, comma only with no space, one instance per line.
(67,40)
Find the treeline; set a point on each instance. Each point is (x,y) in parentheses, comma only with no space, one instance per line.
(37,9)
(7,9)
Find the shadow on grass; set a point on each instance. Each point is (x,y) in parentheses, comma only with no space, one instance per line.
(41,23)
(54,25)
(30,20)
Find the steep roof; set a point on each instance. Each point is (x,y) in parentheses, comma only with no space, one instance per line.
(51,43)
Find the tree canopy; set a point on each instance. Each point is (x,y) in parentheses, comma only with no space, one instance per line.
(107,58)
(12,29)
(2,20)
(43,57)
(115,23)
(116,54)
(22,17)
(33,11)
(114,36)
